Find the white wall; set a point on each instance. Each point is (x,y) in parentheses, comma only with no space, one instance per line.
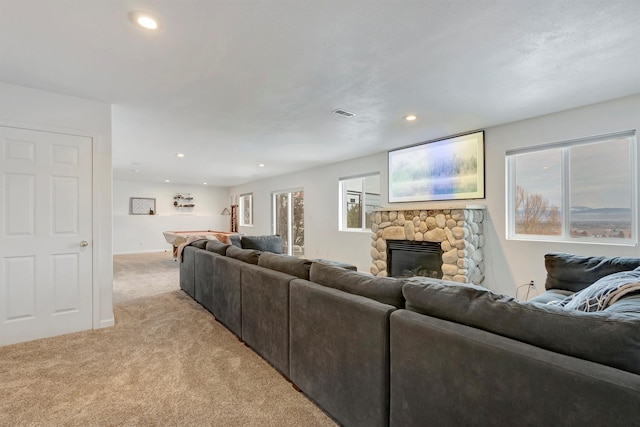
(47,111)
(509,263)
(321,188)
(143,233)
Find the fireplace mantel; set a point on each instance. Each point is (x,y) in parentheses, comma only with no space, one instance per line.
(459,231)
(427,207)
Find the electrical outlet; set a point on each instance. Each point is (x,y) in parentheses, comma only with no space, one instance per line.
(532,283)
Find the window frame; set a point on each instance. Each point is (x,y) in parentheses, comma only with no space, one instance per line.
(565,147)
(342,200)
(242,207)
(290,246)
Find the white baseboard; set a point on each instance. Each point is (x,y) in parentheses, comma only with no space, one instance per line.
(141,252)
(106,323)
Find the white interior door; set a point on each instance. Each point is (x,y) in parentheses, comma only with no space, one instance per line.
(45,234)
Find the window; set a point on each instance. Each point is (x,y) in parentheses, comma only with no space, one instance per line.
(359,196)
(574,191)
(288,220)
(246,209)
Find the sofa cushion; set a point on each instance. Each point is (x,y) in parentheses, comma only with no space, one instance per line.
(336,263)
(576,272)
(271,243)
(603,293)
(604,337)
(200,243)
(386,290)
(247,255)
(217,247)
(294,266)
(234,239)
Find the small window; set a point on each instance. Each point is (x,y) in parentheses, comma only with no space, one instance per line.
(574,191)
(246,209)
(359,196)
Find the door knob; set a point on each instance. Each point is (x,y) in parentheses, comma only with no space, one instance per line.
(84,243)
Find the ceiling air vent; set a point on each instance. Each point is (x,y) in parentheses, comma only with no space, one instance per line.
(344,112)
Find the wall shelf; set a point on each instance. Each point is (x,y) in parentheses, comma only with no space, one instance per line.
(183,200)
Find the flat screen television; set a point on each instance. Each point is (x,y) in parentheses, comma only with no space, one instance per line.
(451,168)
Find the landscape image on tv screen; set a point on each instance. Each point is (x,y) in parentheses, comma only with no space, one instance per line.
(445,169)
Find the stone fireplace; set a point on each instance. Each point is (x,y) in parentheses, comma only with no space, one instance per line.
(457,231)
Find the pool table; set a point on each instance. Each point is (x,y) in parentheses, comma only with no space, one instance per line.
(176,238)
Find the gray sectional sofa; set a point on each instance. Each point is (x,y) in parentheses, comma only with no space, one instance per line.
(423,352)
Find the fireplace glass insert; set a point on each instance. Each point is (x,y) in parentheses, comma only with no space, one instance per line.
(406,258)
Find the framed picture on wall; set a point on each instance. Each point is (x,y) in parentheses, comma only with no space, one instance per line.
(142,206)
(445,169)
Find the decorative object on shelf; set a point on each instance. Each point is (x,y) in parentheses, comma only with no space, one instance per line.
(183,200)
(142,206)
(234,218)
(444,169)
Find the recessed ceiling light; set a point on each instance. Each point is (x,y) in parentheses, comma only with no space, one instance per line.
(145,20)
(166,180)
(180,155)
(260,165)
(204,183)
(410,117)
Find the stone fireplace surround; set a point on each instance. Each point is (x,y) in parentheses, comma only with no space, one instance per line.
(458,230)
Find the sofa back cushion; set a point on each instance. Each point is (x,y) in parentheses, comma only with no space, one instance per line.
(386,290)
(247,255)
(234,239)
(336,263)
(271,243)
(200,243)
(606,337)
(576,272)
(294,266)
(217,247)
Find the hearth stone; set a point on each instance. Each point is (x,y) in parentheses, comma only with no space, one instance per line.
(458,231)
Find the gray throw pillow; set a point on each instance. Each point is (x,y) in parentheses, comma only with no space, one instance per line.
(234,239)
(200,243)
(271,243)
(386,290)
(217,247)
(247,255)
(291,265)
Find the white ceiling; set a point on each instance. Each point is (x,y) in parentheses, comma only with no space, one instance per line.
(235,83)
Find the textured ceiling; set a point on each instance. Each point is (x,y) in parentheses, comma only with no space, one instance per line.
(235,83)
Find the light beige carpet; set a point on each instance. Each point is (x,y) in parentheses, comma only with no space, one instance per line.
(167,362)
